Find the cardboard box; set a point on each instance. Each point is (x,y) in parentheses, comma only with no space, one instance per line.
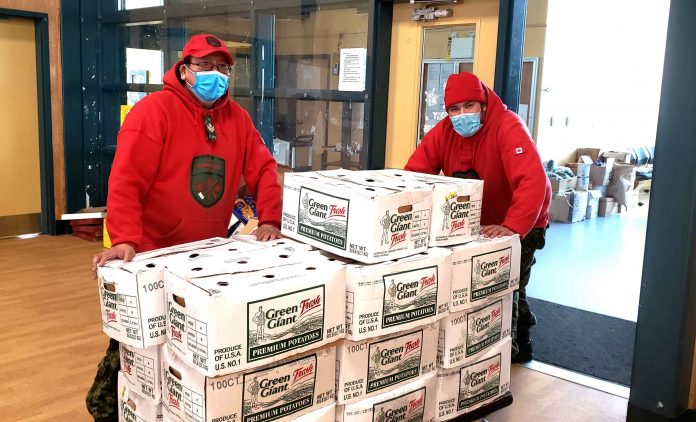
(411,402)
(466,335)
(133,407)
(325,414)
(483,270)
(586,159)
(582,172)
(569,207)
(623,157)
(563,185)
(280,392)
(607,206)
(397,295)
(466,388)
(132,295)
(580,169)
(593,153)
(367,223)
(456,210)
(370,367)
(142,370)
(601,189)
(285,243)
(593,197)
(279,307)
(601,175)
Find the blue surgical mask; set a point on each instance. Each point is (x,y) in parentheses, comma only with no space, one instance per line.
(466,124)
(210,85)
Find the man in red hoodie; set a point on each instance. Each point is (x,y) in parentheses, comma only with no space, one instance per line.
(179,159)
(484,140)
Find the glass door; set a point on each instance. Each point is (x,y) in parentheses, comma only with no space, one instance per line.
(446,50)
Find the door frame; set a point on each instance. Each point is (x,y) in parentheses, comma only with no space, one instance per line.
(43,93)
(532,95)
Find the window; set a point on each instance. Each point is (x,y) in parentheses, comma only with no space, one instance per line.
(286,74)
(445,51)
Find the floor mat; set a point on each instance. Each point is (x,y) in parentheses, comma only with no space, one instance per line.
(592,344)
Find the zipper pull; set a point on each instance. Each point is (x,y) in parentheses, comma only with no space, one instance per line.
(209,127)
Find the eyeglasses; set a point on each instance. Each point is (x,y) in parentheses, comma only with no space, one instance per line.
(207,66)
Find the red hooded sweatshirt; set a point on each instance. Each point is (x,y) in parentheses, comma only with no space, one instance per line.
(169,184)
(516,190)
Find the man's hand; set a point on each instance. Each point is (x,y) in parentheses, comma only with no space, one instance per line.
(495,231)
(124,251)
(266,232)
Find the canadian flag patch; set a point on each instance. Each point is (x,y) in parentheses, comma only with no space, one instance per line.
(519,150)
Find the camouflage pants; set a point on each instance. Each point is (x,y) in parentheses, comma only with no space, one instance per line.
(102,400)
(522,318)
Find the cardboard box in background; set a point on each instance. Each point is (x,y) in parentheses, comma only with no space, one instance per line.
(280,308)
(370,367)
(397,295)
(623,157)
(607,206)
(601,175)
(563,185)
(466,388)
(582,172)
(132,406)
(593,153)
(370,222)
(483,270)
(468,334)
(410,402)
(142,370)
(569,207)
(280,392)
(593,197)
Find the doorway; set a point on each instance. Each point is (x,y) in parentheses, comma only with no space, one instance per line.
(590,270)
(26,171)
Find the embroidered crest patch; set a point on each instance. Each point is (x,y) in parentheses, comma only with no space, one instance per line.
(207,179)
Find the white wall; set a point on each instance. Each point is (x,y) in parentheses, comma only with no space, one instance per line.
(602,75)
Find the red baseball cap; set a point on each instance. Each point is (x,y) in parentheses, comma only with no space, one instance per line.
(463,87)
(205,44)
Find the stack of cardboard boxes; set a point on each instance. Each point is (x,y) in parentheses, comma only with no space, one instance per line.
(603,183)
(375,323)
(430,325)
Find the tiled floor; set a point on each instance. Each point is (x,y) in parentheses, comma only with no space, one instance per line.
(595,265)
